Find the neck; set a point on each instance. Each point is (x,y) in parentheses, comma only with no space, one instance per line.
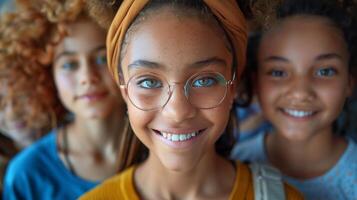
(97,135)
(207,179)
(308,158)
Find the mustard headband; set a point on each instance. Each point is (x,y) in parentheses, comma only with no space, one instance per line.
(226,11)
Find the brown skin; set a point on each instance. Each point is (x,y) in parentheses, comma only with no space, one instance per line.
(193,170)
(86,89)
(303,65)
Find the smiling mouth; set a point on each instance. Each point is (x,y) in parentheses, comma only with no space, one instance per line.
(179,137)
(298,113)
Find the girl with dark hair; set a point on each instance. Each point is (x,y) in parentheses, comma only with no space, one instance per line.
(304,77)
(177,64)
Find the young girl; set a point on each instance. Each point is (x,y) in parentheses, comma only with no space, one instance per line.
(303,81)
(24,117)
(76,156)
(177,63)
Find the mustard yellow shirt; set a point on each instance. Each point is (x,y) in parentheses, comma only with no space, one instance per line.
(122,187)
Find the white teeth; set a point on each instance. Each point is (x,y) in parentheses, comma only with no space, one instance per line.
(298,113)
(175,137)
(178,137)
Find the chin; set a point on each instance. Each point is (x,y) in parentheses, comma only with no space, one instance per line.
(96,115)
(98,112)
(296,135)
(178,163)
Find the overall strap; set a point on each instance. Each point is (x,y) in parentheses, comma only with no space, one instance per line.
(268,184)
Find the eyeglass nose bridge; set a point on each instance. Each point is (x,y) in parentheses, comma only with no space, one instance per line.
(171,91)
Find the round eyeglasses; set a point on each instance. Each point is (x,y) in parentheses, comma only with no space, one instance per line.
(151,91)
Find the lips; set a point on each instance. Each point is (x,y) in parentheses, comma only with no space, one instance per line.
(92,96)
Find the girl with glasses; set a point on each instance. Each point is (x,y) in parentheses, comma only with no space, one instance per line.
(177,64)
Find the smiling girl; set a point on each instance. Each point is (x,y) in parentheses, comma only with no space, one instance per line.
(303,81)
(78,155)
(177,64)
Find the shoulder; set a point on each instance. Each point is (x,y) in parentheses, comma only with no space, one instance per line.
(120,186)
(34,152)
(27,161)
(27,168)
(244,186)
(348,160)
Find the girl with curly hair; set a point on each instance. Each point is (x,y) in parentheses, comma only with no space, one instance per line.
(77,155)
(24,117)
(304,76)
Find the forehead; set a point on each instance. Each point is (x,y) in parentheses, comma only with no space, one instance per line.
(83,36)
(175,40)
(308,35)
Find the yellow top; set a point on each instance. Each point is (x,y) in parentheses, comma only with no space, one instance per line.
(122,187)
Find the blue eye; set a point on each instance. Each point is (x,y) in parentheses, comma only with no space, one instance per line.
(149,83)
(204,82)
(326,72)
(277,73)
(101,60)
(72,65)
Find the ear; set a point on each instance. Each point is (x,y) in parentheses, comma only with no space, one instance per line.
(124,93)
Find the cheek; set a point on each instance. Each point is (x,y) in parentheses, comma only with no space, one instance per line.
(334,97)
(65,87)
(139,119)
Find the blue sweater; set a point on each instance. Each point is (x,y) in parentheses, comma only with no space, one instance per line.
(38,173)
(339,183)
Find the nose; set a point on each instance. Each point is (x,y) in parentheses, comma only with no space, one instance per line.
(89,73)
(300,90)
(178,109)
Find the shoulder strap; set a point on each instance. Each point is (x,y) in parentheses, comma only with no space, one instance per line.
(268,184)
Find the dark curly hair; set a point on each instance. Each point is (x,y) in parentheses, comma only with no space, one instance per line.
(342,13)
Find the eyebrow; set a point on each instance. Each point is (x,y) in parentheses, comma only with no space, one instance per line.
(210,61)
(275,58)
(198,64)
(328,56)
(64,53)
(144,63)
(99,48)
(71,53)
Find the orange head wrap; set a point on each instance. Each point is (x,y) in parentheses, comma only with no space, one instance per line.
(227,12)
